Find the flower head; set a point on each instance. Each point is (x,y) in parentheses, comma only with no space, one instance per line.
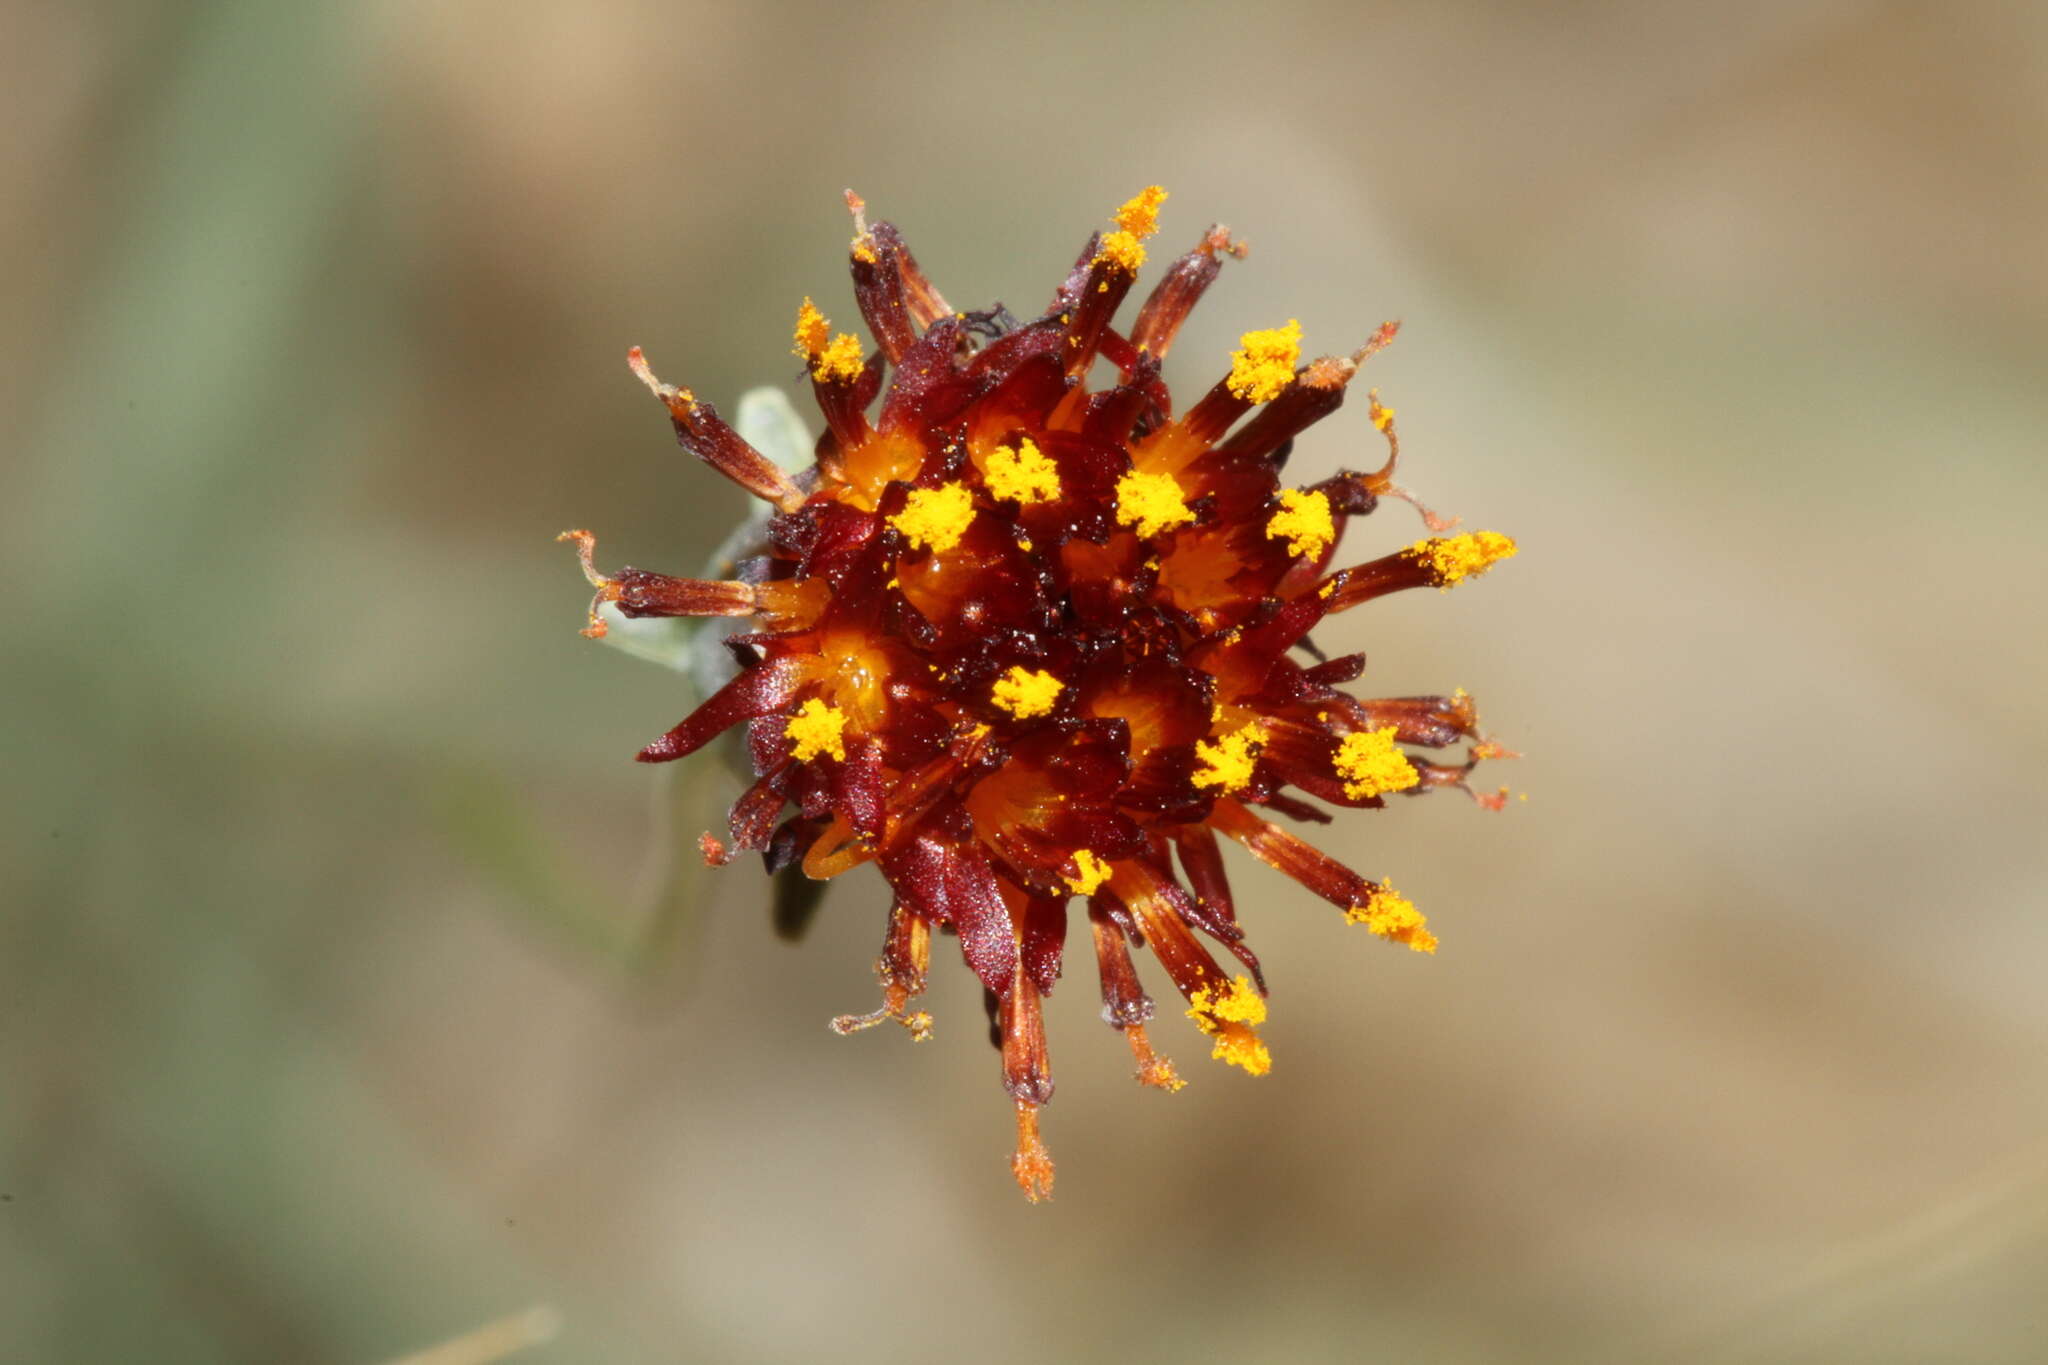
(1016,640)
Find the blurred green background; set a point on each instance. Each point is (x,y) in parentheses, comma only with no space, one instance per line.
(348,1002)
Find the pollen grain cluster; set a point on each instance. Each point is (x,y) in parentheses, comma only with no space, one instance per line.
(1030,646)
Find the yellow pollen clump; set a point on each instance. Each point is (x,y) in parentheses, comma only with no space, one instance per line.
(1456,558)
(1120,249)
(1094,872)
(1264,366)
(811,330)
(1025,693)
(1024,475)
(1135,221)
(1237,1003)
(936,517)
(864,249)
(1230,761)
(1303,521)
(1140,213)
(1393,916)
(1227,1015)
(1151,502)
(841,361)
(1240,1047)
(1371,764)
(817,728)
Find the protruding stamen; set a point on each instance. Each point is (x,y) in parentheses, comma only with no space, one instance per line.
(812,330)
(1263,364)
(586,550)
(1177,293)
(894,999)
(1027,1070)
(1426,564)
(702,432)
(1381,484)
(833,360)
(1096,289)
(1124,1002)
(894,293)
(1435,775)
(638,592)
(1153,1069)
(1451,561)
(1139,215)
(1286,852)
(906,956)
(1376,343)
(607,591)
(840,361)
(1431,721)
(1228,1013)
(1136,220)
(1393,916)
(1318,392)
(863,245)
(1032,1163)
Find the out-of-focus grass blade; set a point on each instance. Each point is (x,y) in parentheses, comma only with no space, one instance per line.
(638,926)
(493,1341)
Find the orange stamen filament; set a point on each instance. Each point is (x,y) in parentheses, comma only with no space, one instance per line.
(1032,1163)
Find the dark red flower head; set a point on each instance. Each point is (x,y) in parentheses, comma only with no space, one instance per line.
(1017,640)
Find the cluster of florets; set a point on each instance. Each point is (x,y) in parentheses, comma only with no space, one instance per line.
(1017,641)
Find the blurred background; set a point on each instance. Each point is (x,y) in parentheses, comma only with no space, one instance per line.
(355,990)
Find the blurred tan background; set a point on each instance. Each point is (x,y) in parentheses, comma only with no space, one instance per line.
(345,1003)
